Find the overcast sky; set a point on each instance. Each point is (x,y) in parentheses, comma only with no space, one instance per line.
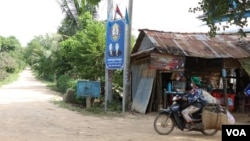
(25,19)
(165,15)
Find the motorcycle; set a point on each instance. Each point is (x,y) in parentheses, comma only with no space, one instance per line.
(171,117)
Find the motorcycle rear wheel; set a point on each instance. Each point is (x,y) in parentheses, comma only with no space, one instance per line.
(163,124)
(209,132)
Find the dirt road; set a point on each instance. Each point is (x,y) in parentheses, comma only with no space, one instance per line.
(26,114)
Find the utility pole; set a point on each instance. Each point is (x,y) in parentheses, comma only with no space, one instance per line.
(108,74)
(127,58)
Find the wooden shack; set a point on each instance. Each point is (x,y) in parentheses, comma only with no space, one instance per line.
(160,57)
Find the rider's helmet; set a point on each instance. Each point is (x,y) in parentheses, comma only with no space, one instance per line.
(196,80)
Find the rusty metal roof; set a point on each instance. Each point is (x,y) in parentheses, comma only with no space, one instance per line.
(228,45)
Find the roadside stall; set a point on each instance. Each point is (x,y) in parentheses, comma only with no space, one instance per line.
(162,64)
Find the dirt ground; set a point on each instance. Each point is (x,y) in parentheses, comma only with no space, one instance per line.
(26,114)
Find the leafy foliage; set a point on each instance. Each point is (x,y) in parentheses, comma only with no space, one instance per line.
(73,9)
(217,11)
(85,50)
(9,44)
(77,53)
(7,62)
(64,82)
(11,58)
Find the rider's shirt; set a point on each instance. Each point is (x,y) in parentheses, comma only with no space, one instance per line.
(196,98)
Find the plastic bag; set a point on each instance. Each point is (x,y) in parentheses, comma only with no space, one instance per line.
(230,117)
(209,97)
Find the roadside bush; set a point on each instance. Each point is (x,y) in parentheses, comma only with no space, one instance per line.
(3,74)
(81,100)
(115,106)
(64,82)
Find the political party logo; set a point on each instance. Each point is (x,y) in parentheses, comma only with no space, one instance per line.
(115,32)
(235,132)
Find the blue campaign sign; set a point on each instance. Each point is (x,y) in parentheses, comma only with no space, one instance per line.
(88,88)
(115,40)
(247,90)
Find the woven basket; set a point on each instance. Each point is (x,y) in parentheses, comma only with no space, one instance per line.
(213,117)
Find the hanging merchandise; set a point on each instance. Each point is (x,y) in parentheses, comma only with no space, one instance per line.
(224,72)
(213,80)
(221,84)
(232,74)
(173,76)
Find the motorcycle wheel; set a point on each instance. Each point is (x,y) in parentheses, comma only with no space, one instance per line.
(209,132)
(163,124)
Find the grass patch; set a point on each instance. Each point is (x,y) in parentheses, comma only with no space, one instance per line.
(11,78)
(51,85)
(94,110)
(113,109)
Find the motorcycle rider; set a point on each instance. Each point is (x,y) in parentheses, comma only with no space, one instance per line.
(196,100)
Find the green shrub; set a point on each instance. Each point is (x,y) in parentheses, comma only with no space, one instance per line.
(3,74)
(81,100)
(64,82)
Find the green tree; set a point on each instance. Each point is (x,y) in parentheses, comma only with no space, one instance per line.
(218,11)
(11,56)
(85,50)
(9,44)
(73,9)
(41,54)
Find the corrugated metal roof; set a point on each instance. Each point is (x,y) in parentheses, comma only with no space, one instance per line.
(197,44)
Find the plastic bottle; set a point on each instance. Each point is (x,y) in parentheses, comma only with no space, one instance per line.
(169,87)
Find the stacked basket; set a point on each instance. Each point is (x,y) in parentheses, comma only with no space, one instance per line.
(214,116)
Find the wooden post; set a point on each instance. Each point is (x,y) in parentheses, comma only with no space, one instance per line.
(88,102)
(225,92)
(165,98)
(224,74)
